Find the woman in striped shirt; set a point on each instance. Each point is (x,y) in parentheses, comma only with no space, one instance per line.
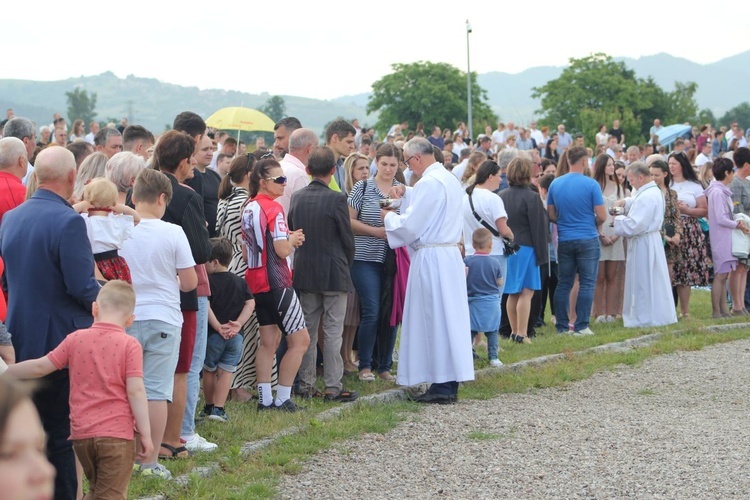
(369,270)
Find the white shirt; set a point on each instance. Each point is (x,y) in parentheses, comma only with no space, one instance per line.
(154,253)
(688,192)
(459,169)
(107,233)
(296,178)
(490,207)
(89,138)
(701,159)
(536,134)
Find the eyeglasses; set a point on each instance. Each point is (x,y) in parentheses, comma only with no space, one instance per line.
(406,161)
(279,179)
(267,155)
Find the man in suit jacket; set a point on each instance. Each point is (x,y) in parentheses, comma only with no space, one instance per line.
(322,269)
(49,277)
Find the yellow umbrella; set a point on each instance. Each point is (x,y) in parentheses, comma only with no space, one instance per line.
(238,118)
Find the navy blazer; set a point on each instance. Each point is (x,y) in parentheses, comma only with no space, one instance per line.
(49,273)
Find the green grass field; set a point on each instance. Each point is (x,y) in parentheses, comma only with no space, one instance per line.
(255,475)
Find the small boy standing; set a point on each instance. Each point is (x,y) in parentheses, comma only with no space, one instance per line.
(230,306)
(161,266)
(106,391)
(483,281)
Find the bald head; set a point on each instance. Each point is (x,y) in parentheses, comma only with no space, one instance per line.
(302,139)
(55,166)
(12,151)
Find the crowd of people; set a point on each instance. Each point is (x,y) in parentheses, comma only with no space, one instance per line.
(140,270)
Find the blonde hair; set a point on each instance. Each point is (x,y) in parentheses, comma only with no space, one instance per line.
(475,159)
(117,297)
(91,168)
(481,239)
(349,163)
(31,185)
(100,192)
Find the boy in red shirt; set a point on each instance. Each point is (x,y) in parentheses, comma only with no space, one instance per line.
(106,391)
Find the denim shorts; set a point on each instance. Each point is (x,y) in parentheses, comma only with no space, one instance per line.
(222,353)
(161,346)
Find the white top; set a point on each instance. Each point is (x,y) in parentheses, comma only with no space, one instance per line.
(701,159)
(154,253)
(89,138)
(108,232)
(497,136)
(459,169)
(601,138)
(490,207)
(688,192)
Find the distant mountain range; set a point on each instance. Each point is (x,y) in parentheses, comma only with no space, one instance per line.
(147,101)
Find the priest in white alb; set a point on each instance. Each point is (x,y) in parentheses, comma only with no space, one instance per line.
(648,291)
(435,342)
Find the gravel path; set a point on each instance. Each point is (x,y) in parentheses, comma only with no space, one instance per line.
(676,427)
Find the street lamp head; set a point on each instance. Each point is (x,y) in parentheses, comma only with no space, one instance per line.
(468,26)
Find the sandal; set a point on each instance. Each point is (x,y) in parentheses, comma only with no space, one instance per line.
(367,377)
(387,376)
(176,452)
(341,397)
(310,393)
(351,368)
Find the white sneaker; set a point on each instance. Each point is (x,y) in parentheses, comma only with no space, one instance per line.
(197,443)
(585,331)
(495,363)
(601,319)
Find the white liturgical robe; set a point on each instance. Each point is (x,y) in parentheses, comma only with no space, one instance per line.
(435,342)
(648,291)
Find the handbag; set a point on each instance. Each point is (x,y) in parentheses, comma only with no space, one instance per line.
(510,247)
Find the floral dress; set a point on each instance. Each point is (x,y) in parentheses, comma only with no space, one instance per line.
(672,216)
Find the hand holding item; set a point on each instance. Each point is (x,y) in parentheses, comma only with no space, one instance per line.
(397,191)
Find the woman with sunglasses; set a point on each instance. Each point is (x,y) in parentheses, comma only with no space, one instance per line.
(691,268)
(369,272)
(233,193)
(268,243)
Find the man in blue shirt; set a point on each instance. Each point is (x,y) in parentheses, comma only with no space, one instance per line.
(576,204)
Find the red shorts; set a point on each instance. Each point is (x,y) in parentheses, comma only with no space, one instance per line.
(113,267)
(187,341)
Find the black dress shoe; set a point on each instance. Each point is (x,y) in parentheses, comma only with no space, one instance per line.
(440,399)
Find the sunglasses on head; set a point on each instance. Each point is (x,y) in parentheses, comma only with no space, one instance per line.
(279,179)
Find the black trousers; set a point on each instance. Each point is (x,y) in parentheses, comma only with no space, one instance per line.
(51,401)
(536,306)
(444,388)
(548,273)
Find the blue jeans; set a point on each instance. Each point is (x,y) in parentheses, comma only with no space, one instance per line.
(196,365)
(492,343)
(367,278)
(576,257)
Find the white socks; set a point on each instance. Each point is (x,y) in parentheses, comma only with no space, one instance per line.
(264,394)
(282,394)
